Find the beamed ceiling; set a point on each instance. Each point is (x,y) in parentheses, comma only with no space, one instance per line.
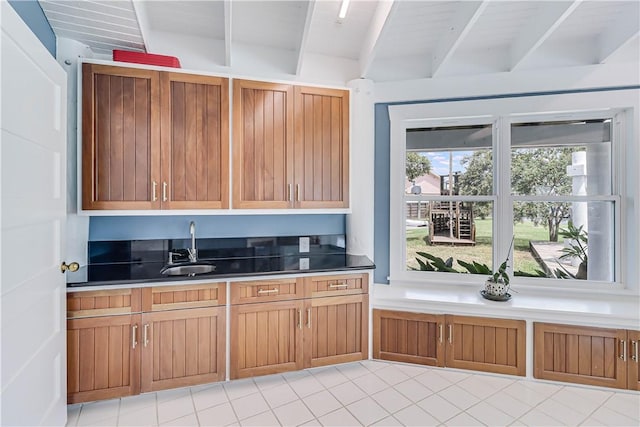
(379,40)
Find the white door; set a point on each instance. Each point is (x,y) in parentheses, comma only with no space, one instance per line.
(33,210)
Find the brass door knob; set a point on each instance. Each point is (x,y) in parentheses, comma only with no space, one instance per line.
(74,266)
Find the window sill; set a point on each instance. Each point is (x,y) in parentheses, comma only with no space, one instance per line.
(617,311)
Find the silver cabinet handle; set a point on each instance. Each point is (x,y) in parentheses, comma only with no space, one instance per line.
(634,347)
(146,334)
(441,332)
(290,192)
(164,191)
(299,319)
(297,192)
(623,354)
(267,291)
(338,285)
(450,334)
(134,336)
(154,196)
(309,318)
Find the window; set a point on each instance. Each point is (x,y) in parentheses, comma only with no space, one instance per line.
(551,181)
(447,229)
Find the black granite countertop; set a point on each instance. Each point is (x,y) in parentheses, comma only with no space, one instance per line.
(122,273)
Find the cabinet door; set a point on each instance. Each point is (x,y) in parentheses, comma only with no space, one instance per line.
(579,354)
(336,330)
(195,141)
(103,358)
(120,138)
(633,362)
(266,338)
(408,337)
(486,344)
(182,348)
(321,148)
(262,145)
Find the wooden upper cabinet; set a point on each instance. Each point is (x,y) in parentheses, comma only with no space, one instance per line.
(262,145)
(291,146)
(154,139)
(195,141)
(120,137)
(321,148)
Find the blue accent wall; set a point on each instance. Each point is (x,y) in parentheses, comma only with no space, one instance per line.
(381,194)
(382,139)
(177,227)
(32,14)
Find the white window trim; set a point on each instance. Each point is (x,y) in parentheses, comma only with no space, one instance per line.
(505,111)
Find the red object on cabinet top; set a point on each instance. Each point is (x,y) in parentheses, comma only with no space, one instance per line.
(146,58)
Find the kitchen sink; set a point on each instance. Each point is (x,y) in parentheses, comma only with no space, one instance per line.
(189,269)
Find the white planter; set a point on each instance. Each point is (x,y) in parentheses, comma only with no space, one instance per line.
(497,289)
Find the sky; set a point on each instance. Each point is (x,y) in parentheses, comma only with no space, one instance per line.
(440,161)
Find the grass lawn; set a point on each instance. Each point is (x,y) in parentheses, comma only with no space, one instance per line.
(481,252)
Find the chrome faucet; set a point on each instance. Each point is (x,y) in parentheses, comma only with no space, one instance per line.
(193,252)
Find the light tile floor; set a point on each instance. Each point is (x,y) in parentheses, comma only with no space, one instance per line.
(369,393)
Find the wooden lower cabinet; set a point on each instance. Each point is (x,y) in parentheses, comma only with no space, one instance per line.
(336,330)
(293,334)
(633,361)
(586,355)
(182,348)
(175,338)
(266,338)
(103,357)
(486,344)
(477,343)
(408,337)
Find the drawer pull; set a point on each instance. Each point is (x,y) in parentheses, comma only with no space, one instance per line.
(164,191)
(299,319)
(267,291)
(338,285)
(623,354)
(441,327)
(309,318)
(134,336)
(634,347)
(450,334)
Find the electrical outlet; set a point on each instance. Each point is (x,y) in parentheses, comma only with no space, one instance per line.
(304,244)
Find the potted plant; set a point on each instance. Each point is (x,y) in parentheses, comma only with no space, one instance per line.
(497,285)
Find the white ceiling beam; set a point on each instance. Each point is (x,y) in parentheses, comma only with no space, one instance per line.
(311,7)
(227,33)
(382,16)
(464,19)
(620,33)
(539,28)
(143,23)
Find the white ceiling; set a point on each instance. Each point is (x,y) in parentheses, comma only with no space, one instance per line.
(380,40)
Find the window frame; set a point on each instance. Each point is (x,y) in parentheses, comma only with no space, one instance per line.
(508,111)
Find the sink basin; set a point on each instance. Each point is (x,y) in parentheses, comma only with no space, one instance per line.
(187,269)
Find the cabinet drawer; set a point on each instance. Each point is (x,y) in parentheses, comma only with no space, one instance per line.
(266,290)
(343,284)
(162,298)
(103,303)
